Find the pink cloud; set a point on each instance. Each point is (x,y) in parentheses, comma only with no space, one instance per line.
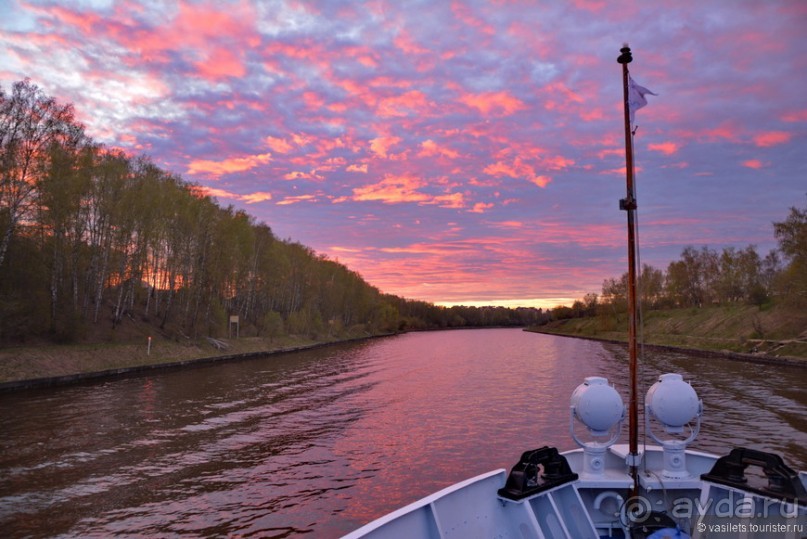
(403,105)
(393,190)
(557,162)
(405,42)
(356,90)
(667,148)
(591,115)
(509,224)
(313,100)
(417,249)
(499,169)
(753,163)
(308,51)
(795,116)
(341,249)
(589,5)
(517,169)
(381,145)
(202,30)
(726,131)
(301,139)
(483,182)
(358,168)
(540,181)
(487,103)
(279,145)
(251,198)
(367,61)
(481,207)
(772,138)
(84,21)
(333,163)
(463,13)
(397,189)
(326,145)
(199,21)
(296,199)
(258,196)
(227,166)
(561,98)
(388,82)
(450,200)
(619,152)
(218,193)
(209,38)
(38,41)
(220,63)
(299,175)
(429,148)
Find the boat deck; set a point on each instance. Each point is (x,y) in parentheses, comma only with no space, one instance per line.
(594,505)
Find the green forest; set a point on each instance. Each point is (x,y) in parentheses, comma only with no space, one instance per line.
(729,301)
(92,237)
(703,277)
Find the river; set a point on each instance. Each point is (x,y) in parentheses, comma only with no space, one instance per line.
(322,441)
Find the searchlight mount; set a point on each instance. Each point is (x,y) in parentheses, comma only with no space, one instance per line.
(674,404)
(599,407)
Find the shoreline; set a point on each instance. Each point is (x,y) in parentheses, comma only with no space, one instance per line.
(88,362)
(203,360)
(785,361)
(160,366)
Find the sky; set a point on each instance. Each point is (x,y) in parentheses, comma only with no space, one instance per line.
(457,152)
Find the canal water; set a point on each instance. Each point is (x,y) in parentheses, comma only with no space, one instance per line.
(320,442)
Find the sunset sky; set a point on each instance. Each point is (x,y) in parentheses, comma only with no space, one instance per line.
(456,152)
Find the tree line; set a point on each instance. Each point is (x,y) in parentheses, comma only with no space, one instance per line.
(90,235)
(704,277)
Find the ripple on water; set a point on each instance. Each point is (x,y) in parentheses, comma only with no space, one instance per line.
(322,441)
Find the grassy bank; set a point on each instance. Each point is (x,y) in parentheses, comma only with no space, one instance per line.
(772,332)
(48,361)
(776,331)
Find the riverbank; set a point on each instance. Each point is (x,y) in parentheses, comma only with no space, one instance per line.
(722,354)
(46,365)
(775,335)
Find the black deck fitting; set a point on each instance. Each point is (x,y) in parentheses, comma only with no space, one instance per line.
(536,471)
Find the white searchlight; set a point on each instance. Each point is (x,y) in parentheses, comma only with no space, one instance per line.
(599,407)
(674,404)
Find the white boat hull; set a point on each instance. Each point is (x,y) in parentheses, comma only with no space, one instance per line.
(592,506)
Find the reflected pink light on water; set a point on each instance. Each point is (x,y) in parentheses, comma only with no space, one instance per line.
(323,441)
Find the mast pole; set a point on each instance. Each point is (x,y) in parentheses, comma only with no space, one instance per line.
(629,205)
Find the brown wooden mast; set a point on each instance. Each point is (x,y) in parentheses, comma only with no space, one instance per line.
(629,205)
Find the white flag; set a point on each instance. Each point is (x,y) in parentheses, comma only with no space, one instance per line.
(636,97)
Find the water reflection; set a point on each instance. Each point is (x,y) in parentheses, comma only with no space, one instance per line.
(325,440)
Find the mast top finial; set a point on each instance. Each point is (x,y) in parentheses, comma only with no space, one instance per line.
(625,57)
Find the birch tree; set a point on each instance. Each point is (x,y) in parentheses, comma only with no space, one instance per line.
(29,123)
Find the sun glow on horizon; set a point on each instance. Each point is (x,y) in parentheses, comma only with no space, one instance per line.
(538,303)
